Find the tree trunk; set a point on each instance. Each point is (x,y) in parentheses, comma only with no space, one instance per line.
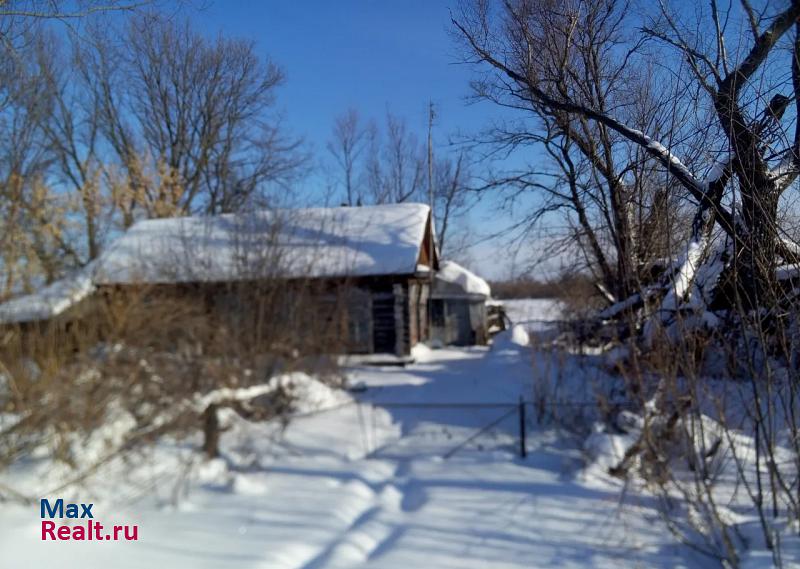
(624,240)
(756,280)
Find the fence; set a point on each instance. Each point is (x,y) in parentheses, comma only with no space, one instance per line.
(499,427)
(436,428)
(441,429)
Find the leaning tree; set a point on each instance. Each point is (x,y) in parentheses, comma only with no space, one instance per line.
(735,91)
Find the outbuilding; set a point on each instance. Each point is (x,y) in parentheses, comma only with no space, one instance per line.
(458,306)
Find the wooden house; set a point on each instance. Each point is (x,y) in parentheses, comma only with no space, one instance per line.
(373,263)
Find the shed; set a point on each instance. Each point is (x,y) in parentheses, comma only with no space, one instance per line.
(458,306)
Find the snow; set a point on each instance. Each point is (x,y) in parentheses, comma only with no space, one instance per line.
(791,245)
(314,242)
(698,272)
(419,468)
(716,172)
(50,300)
(536,315)
(364,484)
(421,352)
(522,310)
(662,153)
(666,155)
(605,450)
(519,336)
(453,273)
(619,307)
(786,169)
(686,273)
(228,394)
(310,394)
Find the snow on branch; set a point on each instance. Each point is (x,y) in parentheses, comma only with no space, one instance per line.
(621,306)
(784,173)
(790,246)
(718,171)
(691,288)
(230,395)
(685,275)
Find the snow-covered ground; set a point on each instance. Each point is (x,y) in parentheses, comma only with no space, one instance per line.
(386,479)
(533,313)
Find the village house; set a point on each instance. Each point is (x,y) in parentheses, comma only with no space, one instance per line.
(369,269)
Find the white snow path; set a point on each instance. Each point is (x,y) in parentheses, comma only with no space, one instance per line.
(367,486)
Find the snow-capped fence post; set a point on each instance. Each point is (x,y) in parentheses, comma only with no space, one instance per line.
(521,408)
(211,432)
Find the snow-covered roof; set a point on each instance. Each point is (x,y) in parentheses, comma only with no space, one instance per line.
(314,242)
(301,243)
(454,274)
(50,300)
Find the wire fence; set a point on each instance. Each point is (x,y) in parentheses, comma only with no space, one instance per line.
(438,428)
(445,429)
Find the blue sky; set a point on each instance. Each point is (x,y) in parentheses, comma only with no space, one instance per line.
(372,56)
(366,54)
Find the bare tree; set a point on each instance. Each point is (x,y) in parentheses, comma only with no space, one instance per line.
(511,42)
(390,166)
(202,109)
(605,188)
(149,119)
(20,20)
(395,170)
(72,136)
(347,144)
(36,218)
(34,243)
(452,197)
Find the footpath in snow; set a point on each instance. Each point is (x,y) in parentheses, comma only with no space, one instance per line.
(366,484)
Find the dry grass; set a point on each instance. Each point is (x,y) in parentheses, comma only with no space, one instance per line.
(149,350)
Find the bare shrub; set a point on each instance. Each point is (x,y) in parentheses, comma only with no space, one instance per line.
(164,358)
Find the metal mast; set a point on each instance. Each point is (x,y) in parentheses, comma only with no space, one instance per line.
(432,244)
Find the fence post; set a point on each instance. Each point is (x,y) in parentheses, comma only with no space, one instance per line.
(522,450)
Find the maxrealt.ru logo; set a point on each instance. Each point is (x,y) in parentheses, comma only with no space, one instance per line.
(90,530)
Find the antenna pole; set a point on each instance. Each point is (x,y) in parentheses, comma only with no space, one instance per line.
(432,244)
